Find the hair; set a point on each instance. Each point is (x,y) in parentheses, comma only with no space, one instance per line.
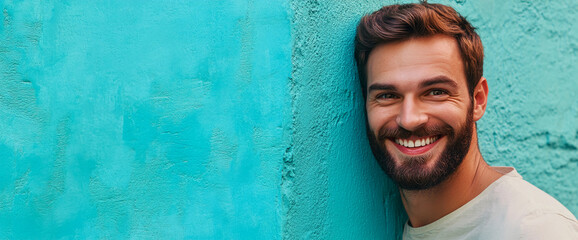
(402,22)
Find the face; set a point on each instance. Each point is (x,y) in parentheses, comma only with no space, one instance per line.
(420,114)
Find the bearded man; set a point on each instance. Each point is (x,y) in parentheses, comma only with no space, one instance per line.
(420,68)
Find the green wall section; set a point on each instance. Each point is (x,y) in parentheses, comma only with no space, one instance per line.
(143,120)
(243,119)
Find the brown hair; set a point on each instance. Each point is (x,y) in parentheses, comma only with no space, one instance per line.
(401,22)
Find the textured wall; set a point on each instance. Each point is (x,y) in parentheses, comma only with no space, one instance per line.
(143,120)
(339,191)
(531,122)
(531,65)
(243,119)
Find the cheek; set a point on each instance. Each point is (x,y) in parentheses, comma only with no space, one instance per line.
(371,118)
(377,118)
(451,115)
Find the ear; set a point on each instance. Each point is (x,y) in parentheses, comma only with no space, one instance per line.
(480,96)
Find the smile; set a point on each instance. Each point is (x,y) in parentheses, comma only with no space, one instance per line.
(416,143)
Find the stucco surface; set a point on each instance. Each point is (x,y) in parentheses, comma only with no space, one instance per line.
(143,120)
(531,122)
(243,119)
(531,65)
(339,191)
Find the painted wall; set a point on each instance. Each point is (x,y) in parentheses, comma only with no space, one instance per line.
(531,61)
(339,191)
(531,122)
(143,120)
(243,119)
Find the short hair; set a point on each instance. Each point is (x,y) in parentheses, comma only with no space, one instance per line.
(402,22)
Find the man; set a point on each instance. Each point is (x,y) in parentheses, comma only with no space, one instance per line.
(420,67)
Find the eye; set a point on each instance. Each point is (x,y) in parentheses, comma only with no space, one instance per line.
(437,92)
(385,96)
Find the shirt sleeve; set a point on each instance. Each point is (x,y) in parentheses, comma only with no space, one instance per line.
(549,226)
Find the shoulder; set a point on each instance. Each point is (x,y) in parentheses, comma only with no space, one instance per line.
(548,225)
(517,194)
(530,211)
(510,208)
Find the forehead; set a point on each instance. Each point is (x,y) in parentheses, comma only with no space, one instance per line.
(412,61)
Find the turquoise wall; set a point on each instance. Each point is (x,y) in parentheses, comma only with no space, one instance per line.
(531,122)
(339,190)
(143,120)
(531,61)
(243,119)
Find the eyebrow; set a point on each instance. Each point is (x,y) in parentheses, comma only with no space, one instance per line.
(381,86)
(438,80)
(426,83)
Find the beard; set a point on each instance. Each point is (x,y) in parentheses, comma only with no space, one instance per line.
(412,172)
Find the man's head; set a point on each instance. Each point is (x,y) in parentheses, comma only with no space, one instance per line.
(402,22)
(418,65)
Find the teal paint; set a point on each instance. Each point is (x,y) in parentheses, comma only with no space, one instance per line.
(141,120)
(243,119)
(339,191)
(531,121)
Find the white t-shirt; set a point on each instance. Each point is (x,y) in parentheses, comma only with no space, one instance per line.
(510,208)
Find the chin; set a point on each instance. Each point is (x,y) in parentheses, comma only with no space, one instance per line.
(423,171)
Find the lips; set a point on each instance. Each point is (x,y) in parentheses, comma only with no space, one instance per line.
(416,146)
(417,142)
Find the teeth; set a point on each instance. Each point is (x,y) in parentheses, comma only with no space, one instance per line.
(417,143)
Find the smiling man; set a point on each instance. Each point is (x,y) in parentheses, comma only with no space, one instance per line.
(420,67)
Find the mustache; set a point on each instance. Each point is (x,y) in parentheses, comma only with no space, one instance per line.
(400,132)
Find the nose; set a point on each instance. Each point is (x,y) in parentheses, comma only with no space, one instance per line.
(411,117)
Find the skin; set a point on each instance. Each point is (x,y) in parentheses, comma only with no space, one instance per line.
(419,83)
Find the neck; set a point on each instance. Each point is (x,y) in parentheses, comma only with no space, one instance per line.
(468,181)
